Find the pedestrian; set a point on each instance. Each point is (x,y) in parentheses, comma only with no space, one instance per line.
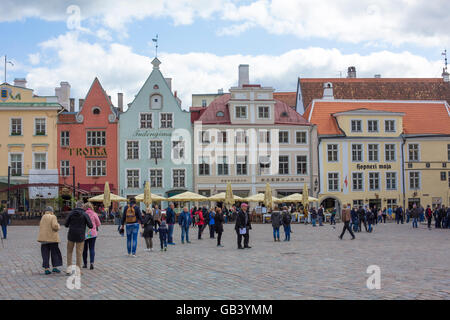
(421,213)
(76,221)
(286,220)
(170,220)
(200,222)
(91,236)
(211,223)
(354,219)
(275,217)
(414,212)
(193,211)
(389,211)
(49,239)
(332,217)
(219,220)
(5,220)
(185,220)
(313,216)
(370,217)
(429,216)
(157,216)
(448,217)
(321,216)
(437,222)
(163,232)
(148,225)
(399,214)
(362,218)
(384,214)
(380,216)
(346,216)
(118,218)
(132,217)
(243,226)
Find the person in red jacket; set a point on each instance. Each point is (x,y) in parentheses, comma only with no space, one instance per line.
(199,222)
(429,216)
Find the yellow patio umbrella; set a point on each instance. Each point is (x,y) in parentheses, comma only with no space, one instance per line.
(187,196)
(305,199)
(229,198)
(155,197)
(259,198)
(221,197)
(296,197)
(268,200)
(147,195)
(113,198)
(106,197)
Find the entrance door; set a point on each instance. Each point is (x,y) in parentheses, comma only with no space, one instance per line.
(412,201)
(375,203)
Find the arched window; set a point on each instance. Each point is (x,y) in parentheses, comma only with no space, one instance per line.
(96,110)
(219,114)
(155,101)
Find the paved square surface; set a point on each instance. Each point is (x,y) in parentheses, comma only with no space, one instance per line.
(414,264)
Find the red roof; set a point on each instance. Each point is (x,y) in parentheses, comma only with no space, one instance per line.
(419,118)
(283,113)
(287,97)
(196,112)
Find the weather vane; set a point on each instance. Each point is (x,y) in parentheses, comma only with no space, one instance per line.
(445,58)
(6,62)
(156,42)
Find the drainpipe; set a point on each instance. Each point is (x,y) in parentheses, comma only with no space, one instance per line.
(311,174)
(403,169)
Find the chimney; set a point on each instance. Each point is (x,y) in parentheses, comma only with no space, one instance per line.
(80,104)
(328,91)
(169,83)
(72,105)
(445,75)
(175,94)
(220,91)
(120,101)
(63,94)
(243,75)
(20,82)
(378,76)
(351,72)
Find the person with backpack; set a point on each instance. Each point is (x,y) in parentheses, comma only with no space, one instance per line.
(132,217)
(49,239)
(148,225)
(91,236)
(185,220)
(170,220)
(384,214)
(429,216)
(211,223)
(76,221)
(286,220)
(275,217)
(218,225)
(4,221)
(200,222)
(163,232)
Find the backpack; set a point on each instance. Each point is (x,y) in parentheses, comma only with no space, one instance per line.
(196,217)
(1,218)
(130,215)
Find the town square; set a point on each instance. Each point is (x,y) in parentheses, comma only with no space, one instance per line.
(224,151)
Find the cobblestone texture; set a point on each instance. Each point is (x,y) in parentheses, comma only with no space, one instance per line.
(314,265)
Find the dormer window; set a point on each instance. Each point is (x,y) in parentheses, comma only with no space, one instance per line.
(356,126)
(96,110)
(284,114)
(372,125)
(156,101)
(220,114)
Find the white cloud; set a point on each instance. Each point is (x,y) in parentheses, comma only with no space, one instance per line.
(122,70)
(34,58)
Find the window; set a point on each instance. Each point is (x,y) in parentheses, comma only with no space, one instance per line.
(414,180)
(373,152)
(155,101)
(283,136)
(356,126)
(65,138)
(264,136)
(16,126)
(132,150)
(4,93)
(96,168)
(16,164)
(132,178)
(357,181)
(372,125)
(222,137)
(40,161)
(146,120)
(220,114)
(203,103)
(264,165)
(443,175)
(391,181)
(413,152)
(332,152)
(179,176)
(156,177)
(240,112)
(166,120)
(263,112)
(222,166)
(96,138)
(389,125)
(96,111)
(358,203)
(357,152)
(302,165)
(204,137)
(156,149)
(203,166)
(374,181)
(300,137)
(389,152)
(65,168)
(448,152)
(283,165)
(241,137)
(39,127)
(391,203)
(241,165)
(333,181)
(178,149)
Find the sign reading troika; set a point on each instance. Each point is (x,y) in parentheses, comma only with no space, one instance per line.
(88,152)
(373,166)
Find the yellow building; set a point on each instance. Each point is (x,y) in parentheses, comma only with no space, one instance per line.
(382,153)
(28,143)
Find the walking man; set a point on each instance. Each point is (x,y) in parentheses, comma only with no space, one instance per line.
(243,227)
(346,216)
(185,220)
(170,220)
(399,214)
(4,220)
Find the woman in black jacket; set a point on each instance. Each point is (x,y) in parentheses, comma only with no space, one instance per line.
(218,225)
(148,223)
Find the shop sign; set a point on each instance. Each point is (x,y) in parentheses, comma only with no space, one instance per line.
(88,152)
(373,166)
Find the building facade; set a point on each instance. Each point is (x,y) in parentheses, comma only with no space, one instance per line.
(87,141)
(155,141)
(382,153)
(248,138)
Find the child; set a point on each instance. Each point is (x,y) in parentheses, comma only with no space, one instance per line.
(163,232)
(149,222)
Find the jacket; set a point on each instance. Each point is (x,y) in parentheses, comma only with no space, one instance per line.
(219,220)
(320,212)
(137,212)
(211,215)
(354,215)
(346,215)
(286,218)
(48,229)
(5,218)
(276,219)
(95,222)
(414,212)
(313,214)
(148,223)
(77,221)
(201,220)
(240,221)
(184,219)
(170,216)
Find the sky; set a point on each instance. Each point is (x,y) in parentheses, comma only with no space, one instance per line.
(202,42)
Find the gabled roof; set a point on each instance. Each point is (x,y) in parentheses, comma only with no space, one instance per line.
(420,117)
(96,85)
(287,97)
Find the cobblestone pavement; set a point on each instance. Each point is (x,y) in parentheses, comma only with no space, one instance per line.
(314,265)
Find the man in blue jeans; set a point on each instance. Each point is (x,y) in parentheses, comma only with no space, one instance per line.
(4,221)
(415,215)
(185,220)
(132,217)
(170,214)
